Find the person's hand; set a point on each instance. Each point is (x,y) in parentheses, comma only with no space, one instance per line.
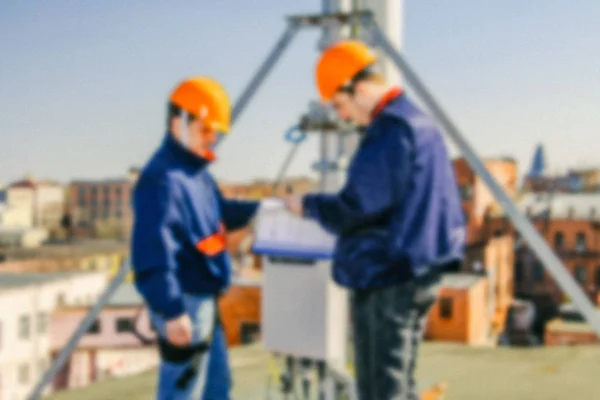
(294,204)
(179,330)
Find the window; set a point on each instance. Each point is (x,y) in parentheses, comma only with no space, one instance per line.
(446,308)
(24,327)
(580,244)
(42,365)
(559,240)
(42,322)
(519,272)
(24,374)
(466,191)
(125,325)
(249,332)
(94,328)
(538,271)
(581,274)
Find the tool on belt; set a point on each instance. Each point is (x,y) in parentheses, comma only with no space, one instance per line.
(192,353)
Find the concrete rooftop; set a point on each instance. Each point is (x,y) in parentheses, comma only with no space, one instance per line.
(554,373)
(16,280)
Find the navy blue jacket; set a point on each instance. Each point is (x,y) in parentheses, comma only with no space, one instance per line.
(180,217)
(399,213)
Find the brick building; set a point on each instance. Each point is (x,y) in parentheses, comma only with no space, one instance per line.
(585,180)
(460,313)
(570,223)
(101,208)
(569,328)
(477,201)
(488,254)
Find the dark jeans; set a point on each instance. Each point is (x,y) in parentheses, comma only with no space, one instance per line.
(388,326)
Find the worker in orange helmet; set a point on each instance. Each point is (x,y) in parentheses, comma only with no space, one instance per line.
(398,219)
(178,243)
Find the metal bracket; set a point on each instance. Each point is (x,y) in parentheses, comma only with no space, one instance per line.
(318,20)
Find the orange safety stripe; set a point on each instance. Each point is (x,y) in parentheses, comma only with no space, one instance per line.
(213,244)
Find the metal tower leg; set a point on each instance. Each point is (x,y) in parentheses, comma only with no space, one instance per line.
(544,253)
(265,68)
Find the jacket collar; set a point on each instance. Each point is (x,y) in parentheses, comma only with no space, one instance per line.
(385,100)
(183,155)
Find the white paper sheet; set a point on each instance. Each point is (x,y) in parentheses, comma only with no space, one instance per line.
(279,231)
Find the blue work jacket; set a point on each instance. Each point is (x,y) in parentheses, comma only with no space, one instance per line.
(399,213)
(180,219)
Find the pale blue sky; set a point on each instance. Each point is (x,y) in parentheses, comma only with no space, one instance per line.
(83,83)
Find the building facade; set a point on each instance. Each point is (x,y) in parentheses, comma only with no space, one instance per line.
(84,255)
(45,201)
(570,225)
(24,329)
(477,201)
(460,314)
(120,342)
(102,208)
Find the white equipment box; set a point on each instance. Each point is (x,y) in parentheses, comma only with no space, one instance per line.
(304,313)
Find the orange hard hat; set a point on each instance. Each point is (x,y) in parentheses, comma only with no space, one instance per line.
(205,99)
(339,64)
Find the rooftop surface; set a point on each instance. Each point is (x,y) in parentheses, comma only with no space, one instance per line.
(562,205)
(77,248)
(460,280)
(14,280)
(551,373)
(126,295)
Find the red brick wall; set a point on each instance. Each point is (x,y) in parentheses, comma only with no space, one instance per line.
(98,201)
(570,338)
(239,305)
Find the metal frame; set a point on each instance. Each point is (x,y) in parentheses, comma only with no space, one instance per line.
(365,18)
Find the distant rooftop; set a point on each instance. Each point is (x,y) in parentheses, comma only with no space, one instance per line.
(562,205)
(76,248)
(30,183)
(126,296)
(460,280)
(16,280)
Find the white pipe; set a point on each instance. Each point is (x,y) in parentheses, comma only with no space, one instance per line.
(334,32)
(389,15)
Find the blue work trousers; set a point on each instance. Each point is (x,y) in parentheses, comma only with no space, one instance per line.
(213,378)
(388,325)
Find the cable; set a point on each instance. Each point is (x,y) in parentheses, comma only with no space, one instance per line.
(295,135)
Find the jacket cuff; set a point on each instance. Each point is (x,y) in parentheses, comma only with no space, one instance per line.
(309,206)
(173,309)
